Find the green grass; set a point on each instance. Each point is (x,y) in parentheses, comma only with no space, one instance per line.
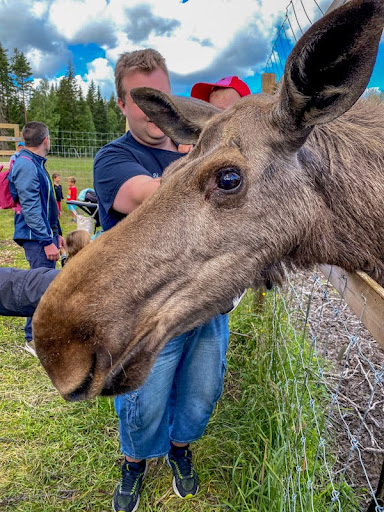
(58,456)
(81,168)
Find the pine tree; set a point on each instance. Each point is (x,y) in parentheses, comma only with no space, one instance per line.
(84,121)
(100,114)
(6,85)
(43,106)
(67,104)
(22,79)
(91,96)
(116,120)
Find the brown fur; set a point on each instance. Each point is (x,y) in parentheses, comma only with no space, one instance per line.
(312,191)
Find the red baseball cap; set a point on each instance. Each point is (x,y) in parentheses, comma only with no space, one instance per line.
(202,90)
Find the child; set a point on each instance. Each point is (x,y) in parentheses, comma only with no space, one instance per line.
(58,190)
(72,196)
(75,241)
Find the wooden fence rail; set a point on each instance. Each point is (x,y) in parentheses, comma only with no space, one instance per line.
(362,294)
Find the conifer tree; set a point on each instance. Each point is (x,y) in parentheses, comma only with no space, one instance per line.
(67,104)
(84,117)
(100,114)
(116,120)
(91,96)
(22,79)
(6,85)
(43,106)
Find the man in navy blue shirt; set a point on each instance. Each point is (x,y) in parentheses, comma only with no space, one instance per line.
(174,405)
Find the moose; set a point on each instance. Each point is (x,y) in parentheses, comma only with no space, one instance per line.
(293,179)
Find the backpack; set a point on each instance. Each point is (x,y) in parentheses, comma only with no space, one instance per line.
(6,199)
(91,196)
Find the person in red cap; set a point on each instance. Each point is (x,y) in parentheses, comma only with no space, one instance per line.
(223,93)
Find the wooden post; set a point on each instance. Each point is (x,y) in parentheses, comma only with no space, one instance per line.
(268,83)
(335,4)
(363,295)
(15,138)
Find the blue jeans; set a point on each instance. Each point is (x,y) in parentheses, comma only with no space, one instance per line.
(35,254)
(178,397)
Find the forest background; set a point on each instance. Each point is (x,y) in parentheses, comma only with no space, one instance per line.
(61,107)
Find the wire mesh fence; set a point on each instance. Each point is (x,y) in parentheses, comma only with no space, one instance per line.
(298,17)
(72,154)
(331,399)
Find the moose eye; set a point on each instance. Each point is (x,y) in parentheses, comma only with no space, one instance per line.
(229,179)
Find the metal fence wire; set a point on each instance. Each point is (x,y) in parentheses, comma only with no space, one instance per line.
(298,17)
(333,388)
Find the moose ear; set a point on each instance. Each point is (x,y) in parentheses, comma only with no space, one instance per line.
(330,66)
(182,119)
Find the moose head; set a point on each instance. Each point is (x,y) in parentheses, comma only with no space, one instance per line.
(296,178)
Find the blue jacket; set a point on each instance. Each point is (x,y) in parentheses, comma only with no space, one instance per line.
(21,290)
(31,185)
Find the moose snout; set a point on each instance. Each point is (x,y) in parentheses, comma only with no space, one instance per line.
(82,390)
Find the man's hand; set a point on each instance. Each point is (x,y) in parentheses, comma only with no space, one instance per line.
(184,148)
(62,244)
(52,252)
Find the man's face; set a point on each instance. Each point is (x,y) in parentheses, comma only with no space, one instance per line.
(142,129)
(224,97)
(46,145)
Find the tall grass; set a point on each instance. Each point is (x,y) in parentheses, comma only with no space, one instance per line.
(58,456)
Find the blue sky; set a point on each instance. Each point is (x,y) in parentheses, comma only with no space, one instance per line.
(202,40)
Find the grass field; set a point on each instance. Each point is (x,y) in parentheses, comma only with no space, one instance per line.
(58,456)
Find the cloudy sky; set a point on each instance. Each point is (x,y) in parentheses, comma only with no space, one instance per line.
(202,40)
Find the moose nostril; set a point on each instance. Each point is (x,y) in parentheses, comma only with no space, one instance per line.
(80,393)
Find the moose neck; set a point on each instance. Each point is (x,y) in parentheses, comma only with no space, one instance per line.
(344,159)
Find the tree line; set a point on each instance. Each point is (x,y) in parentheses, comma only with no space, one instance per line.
(62,107)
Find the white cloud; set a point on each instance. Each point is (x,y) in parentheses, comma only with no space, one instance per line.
(102,73)
(70,17)
(200,39)
(39,9)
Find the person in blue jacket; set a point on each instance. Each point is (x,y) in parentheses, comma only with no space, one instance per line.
(37,227)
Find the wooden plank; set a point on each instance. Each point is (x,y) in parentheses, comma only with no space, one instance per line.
(268,83)
(10,126)
(363,295)
(335,4)
(9,139)
(5,152)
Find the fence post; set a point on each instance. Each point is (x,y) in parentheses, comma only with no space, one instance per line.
(335,4)
(5,138)
(268,83)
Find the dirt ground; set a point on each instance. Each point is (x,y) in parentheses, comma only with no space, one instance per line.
(356,375)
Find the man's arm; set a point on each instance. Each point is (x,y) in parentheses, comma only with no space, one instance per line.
(21,290)
(133,192)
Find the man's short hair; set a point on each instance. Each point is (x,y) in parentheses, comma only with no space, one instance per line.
(145,61)
(34,133)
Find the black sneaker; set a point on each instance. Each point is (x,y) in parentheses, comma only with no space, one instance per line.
(185,480)
(126,497)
